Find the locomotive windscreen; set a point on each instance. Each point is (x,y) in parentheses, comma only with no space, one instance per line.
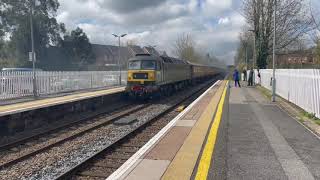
(142,65)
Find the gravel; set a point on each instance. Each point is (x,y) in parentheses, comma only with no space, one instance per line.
(50,164)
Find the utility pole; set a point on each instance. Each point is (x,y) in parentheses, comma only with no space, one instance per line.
(33,55)
(119,65)
(274,53)
(254,57)
(254,50)
(254,53)
(246,49)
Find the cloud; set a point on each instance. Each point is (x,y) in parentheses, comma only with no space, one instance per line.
(125,6)
(216,7)
(212,23)
(224,20)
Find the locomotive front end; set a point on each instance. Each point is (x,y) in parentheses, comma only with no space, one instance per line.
(142,76)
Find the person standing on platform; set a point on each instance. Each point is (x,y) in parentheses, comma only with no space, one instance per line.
(259,76)
(244,74)
(250,80)
(236,78)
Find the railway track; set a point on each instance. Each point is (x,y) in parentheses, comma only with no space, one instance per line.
(103,163)
(36,144)
(63,157)
(63,125)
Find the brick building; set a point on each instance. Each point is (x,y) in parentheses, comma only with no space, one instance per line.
(295,59)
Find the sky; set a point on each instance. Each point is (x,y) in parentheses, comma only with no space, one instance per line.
(213,24)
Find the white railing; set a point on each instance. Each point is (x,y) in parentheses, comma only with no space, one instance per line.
(299,86)
(20,84)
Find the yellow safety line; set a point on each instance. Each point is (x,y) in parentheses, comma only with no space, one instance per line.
(206,157)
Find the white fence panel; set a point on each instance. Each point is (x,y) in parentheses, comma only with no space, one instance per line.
(20,84)
(299,86)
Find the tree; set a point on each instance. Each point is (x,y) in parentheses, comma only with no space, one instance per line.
(316,34)
(293,20)
(15,15)
(132,42)
(244,55)
(78,48)
(318,53)
(184,48)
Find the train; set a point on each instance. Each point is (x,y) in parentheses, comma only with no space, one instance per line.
(150,75)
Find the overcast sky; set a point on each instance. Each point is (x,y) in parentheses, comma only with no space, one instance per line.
(214,24)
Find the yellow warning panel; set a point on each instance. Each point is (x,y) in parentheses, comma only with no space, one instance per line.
(180,108)
(185,160)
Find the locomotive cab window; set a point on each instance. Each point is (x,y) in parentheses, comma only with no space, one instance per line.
(134,65)
(142,65)
(149,65)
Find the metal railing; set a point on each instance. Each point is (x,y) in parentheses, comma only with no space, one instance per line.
(19,84)
(299,86)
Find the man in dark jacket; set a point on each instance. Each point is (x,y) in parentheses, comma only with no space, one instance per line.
(236,78)
(250,81)
(244,74)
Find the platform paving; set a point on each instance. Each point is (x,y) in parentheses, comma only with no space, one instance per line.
(258,140)
(52,101)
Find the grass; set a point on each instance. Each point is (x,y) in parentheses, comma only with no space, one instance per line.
(311,116)
(265,92)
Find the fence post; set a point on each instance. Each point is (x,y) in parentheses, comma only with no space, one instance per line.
(91,79)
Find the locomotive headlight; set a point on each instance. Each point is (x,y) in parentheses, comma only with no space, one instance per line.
(130,76)
(151,76)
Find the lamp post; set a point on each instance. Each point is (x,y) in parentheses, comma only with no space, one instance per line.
(119,37)
(274,54)
(32,55)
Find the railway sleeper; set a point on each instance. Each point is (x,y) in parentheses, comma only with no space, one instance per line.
(97,172)
(107,164)
(134,144)
(127,150)
(119,156)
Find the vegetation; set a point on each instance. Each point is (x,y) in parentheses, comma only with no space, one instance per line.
(77,47)
(244,56)
(318,52)
(293,21)
(15,39)
(185,48)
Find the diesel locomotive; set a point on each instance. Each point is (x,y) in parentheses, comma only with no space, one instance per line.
(150,75)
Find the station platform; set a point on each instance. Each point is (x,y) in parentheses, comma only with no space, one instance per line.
(47,102)
(228,133)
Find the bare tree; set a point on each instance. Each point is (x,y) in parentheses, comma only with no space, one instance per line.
(293,21)
(315,13)
(244,52)
(184,48)
(316,34)
(131,42)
